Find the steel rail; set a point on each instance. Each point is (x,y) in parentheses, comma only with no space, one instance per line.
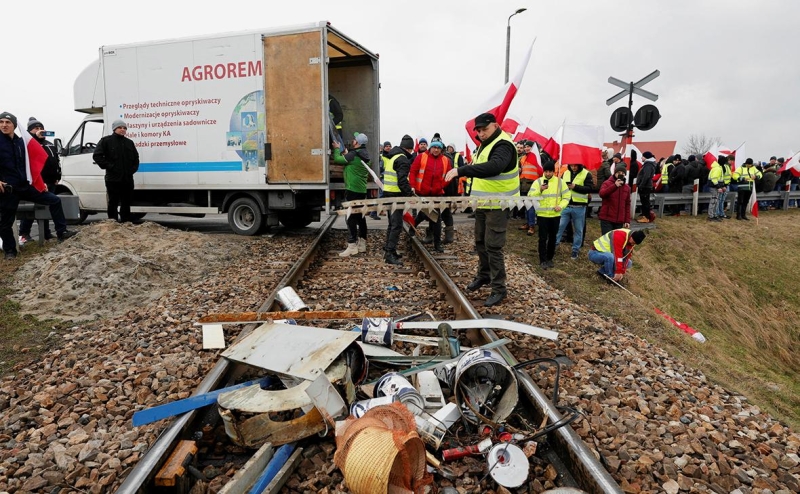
(136,481)
(589,474)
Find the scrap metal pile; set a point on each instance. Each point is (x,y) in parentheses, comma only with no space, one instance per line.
(397,419)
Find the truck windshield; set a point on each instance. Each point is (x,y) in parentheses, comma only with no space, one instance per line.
(85,138)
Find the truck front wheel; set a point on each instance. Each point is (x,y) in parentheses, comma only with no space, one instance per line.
(245,217)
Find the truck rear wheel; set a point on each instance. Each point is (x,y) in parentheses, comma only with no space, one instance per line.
(245,217)
(296,218)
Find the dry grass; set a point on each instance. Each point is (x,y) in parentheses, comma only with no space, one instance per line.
(736,282)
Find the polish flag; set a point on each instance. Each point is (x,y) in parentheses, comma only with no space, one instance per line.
(711,155)
(34,161)
(511,125)
(752,204)
(582,144)
(792,164)
(499,103)
(531,135)
(553,145)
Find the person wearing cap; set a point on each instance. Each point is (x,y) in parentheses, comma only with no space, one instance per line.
(427,180)
(395,184)
(614,252)
(746,176)
(117,155)
(51,174)
(14,184)
(615,194)
(555,195)
(644,184)
(494,172)
(355,162)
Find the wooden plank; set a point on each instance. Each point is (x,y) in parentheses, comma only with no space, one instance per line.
(176,464)
(246,476)
(294,107)
(246,317)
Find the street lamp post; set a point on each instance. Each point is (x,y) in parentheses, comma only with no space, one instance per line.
(508,37)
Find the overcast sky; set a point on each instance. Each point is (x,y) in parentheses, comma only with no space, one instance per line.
(729,68)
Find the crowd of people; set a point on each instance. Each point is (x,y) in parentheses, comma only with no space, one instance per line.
(499,168)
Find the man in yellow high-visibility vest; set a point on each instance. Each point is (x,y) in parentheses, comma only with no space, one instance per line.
(494,172)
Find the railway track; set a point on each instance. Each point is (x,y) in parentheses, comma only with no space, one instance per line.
(425,284)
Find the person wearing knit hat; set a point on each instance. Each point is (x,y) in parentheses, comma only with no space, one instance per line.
(51,175)
(33,123)
(422,146)
(356,162)
(746,176)
(613,251)
(397,164)
(117,155)
(15,187)
(10,117)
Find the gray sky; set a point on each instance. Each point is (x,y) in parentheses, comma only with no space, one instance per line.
(729,68)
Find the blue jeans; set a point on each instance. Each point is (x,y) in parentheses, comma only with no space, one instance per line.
(576,215)
(606,262)
(8,211)
(530,216)
(793,202)
(721,203)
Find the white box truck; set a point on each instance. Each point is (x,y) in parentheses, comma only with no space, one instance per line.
(234,123)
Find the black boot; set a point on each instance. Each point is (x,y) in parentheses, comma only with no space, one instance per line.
(390,258)
(449,233)
(428,236)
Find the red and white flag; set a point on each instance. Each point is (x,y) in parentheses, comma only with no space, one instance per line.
(752,204)
(499,103)
(792,164)
(582,144)
(553,145)
(511,125)
(531,135)
(34,161)
(711,155)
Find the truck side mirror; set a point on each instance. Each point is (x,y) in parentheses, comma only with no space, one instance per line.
(60,147)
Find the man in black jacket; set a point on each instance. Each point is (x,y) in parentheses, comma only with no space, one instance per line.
(51,175)
(117,155)
(644,184)
(397,164)
(494,171)
(14,186)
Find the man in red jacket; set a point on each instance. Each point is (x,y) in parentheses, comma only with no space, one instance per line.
(614,251)
(615,210)
(427,180)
